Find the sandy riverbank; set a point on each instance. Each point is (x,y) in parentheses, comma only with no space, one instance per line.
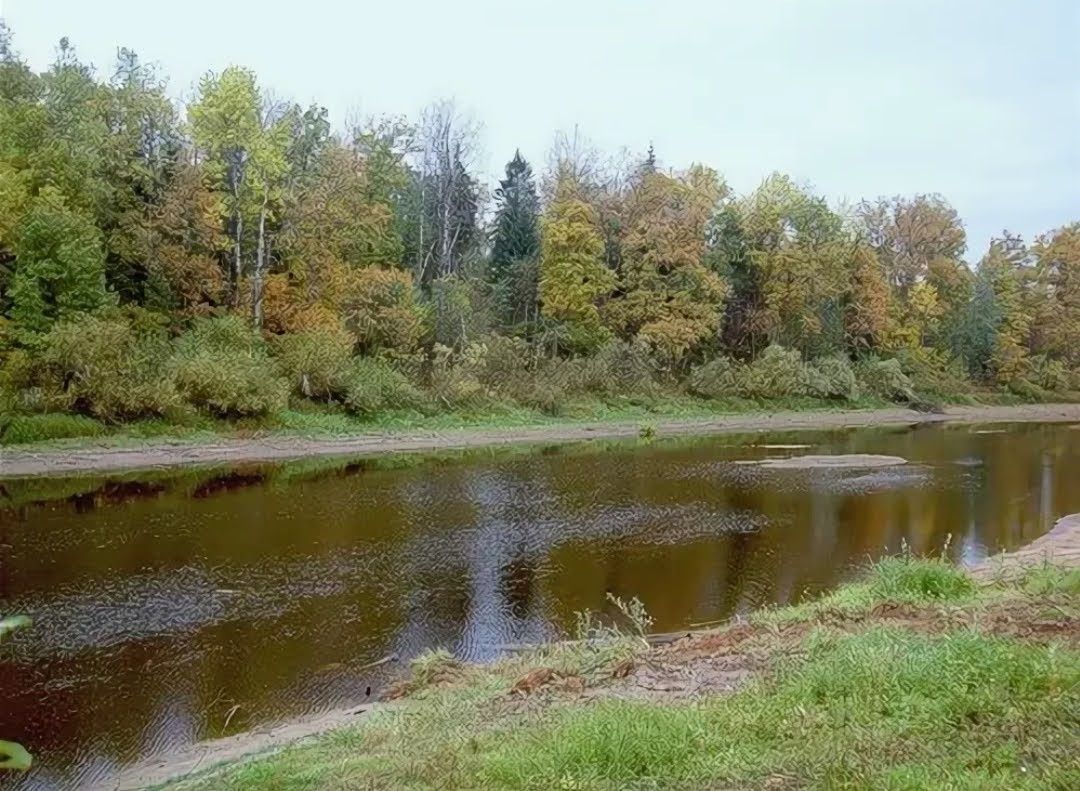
(15,462)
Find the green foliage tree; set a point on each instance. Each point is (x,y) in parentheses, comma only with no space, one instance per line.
(373,244)
(869,307)
(1002,270)
(60,266)
(141,155)
(226,127)
(802,260)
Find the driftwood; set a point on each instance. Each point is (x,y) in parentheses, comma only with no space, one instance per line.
(386,660)
(652,639)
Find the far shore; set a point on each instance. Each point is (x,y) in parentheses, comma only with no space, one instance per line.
(96,458)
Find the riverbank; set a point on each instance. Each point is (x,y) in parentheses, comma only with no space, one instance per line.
(91,457)
(919,675)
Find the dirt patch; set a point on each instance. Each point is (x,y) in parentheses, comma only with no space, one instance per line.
(18,463)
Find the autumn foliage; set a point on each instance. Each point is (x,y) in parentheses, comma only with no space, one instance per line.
(236,257)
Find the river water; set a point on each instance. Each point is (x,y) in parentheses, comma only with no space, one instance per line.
(174,608)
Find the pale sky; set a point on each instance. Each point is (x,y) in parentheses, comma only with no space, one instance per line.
(976,99)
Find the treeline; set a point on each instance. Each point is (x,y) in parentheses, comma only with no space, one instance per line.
(235,255)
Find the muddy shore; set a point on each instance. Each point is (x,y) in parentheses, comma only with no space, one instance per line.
(15,462)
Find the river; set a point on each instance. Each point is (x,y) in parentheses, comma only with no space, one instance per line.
(172,608)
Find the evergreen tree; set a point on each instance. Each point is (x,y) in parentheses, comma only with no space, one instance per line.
(516,240)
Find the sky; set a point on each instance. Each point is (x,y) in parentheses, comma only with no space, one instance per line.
(976,100)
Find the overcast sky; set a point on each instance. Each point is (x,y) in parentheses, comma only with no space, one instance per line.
(979,101)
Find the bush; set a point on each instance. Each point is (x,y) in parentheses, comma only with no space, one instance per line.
(222,366)
(107,367)
(1028,390)
(777,373)
(499,360)
(316,362)
(934,373)
(19,429)
(886,380)
(380,309)
(459,309)
(715,379)
(617,369)
(832,377)
(1051,374)
(374,386)
(454,379)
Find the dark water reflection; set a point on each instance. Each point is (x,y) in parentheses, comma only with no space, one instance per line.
(164,608)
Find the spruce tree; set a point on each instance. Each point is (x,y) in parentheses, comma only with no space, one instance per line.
(516,240)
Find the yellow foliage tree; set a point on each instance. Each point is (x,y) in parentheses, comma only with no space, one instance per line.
(668,297)
(1003,273)
(869,311)
(1057,257)
(573,277)
(379,308)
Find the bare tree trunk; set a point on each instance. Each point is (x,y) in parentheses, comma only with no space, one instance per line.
(238,233)
(260,263)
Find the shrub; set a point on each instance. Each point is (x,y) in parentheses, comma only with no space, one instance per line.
(374,386)
(459,309)
(498,360)
(316,362)
(715,379)
(1028,390)
(885,379)
(223,367)
(19,429)
(620,368)
(832,377)
(108,367)
(380,309)
(777,373)
(454,382)
(934,373)
(1050,374)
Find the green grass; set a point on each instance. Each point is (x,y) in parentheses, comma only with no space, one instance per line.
(882,706)
(882,709)
(902,579)
(64,431)
(26,429)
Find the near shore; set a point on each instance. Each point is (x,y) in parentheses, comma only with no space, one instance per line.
(920,675)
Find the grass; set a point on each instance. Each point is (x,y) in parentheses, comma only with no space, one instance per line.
(885,705)
(900,579)
(69,431)
(886,708)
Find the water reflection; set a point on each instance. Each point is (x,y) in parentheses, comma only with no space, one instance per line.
(167,608)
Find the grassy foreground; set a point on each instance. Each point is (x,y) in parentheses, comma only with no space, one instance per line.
(915,677)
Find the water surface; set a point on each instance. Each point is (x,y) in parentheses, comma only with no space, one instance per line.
(174,609)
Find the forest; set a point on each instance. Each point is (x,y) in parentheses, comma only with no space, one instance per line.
(238,257)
